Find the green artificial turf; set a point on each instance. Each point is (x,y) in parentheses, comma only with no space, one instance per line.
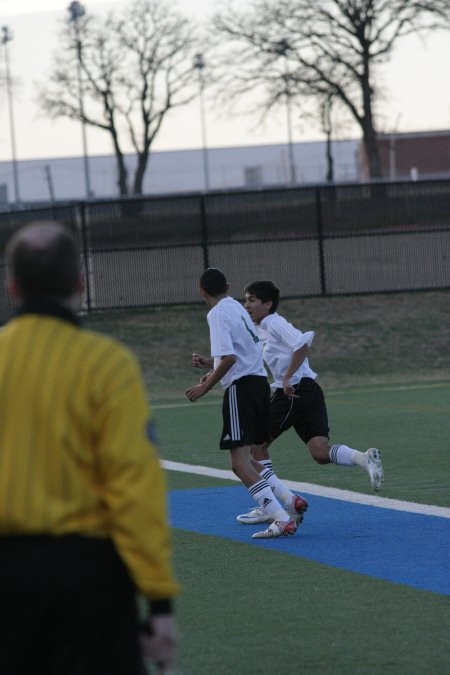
(251,611)
(409,424)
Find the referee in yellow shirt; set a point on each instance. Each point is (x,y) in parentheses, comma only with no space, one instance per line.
(83,523)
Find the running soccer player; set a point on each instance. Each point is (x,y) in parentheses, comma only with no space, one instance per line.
(238,364)
(297,400)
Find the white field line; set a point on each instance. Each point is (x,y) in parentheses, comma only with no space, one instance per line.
(167,406)
(330,392)
(403,387)
(321,491)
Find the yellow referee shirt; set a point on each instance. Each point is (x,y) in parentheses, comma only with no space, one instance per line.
(75,456)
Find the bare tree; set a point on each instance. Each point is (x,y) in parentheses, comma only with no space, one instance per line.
(326,123)
(333,48)
(134,67)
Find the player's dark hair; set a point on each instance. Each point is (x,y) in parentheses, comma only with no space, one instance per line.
(265,291)
(213,282)
(44,261)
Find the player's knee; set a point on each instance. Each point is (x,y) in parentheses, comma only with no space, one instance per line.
(321,460)
(319,452)
(318,447)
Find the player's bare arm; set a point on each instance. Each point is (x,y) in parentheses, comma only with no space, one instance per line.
(296,361)
(199,390)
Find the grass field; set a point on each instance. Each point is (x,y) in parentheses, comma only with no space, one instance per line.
(247,610)
(394,338)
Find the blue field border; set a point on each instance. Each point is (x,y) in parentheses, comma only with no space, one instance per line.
(397,546)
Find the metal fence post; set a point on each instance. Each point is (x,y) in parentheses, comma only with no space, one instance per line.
(87,271)
(323,282)
(204,231)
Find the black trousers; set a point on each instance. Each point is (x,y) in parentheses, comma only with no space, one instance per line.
(67,607)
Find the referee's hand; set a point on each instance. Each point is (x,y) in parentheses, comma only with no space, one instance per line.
(159,642)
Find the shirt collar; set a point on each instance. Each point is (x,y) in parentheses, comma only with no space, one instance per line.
(48,309)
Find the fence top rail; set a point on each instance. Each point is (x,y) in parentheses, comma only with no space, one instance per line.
(375,185)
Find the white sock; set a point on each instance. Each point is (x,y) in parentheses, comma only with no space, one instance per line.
(262,493)
(281,492)
(345,456)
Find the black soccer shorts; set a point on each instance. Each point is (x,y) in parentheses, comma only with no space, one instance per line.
(245,411)
(307,413)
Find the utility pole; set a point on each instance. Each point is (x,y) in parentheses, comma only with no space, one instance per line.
(48,176)
(199,65)
(76,11)
(282,48)
(5,39)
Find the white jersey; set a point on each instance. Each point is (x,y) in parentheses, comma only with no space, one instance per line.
(280,339)
(232,332)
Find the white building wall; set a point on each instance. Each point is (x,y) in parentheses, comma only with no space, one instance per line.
(181,171)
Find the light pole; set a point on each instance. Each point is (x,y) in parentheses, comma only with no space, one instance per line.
(76,11)
(5,39)
(199,64)
(282,47)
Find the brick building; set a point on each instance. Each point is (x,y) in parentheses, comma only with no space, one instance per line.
(412,156)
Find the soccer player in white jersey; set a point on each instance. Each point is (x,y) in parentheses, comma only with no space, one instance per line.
(238,364)
(297,400)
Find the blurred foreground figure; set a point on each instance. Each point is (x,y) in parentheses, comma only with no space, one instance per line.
(83,523)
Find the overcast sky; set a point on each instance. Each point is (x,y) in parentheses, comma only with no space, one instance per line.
(417,91)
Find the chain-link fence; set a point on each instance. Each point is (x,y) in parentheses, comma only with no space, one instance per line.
(310,241)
